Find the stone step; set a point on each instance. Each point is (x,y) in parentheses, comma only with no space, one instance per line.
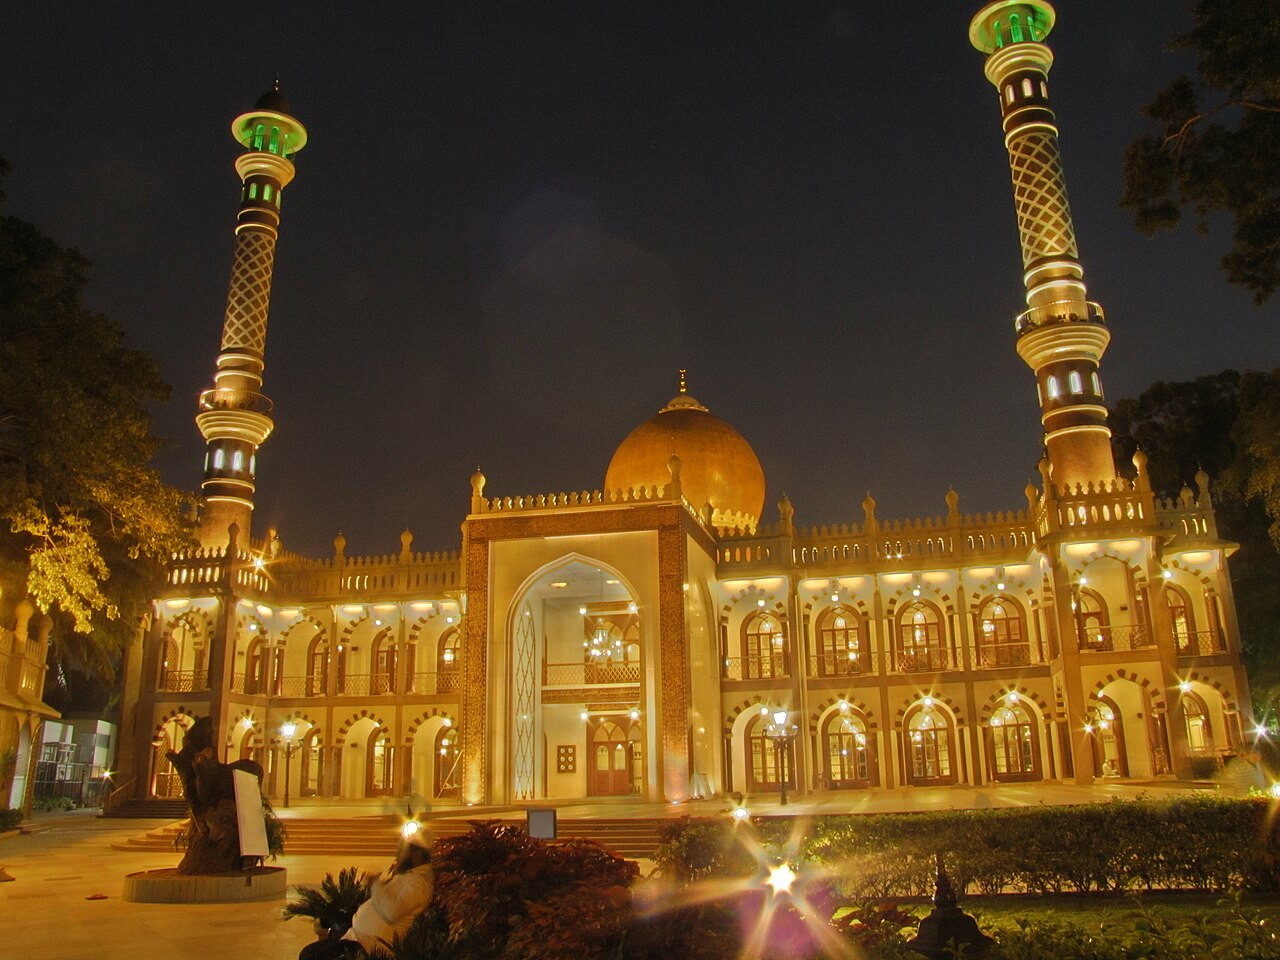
(379,836)
(149,809)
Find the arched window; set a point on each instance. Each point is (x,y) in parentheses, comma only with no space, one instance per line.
(839,643)
(767,763)
(1096,381)
(381,764)
(255,667)
(920,644)
(1180,616)
(1108,740)
(1014,749)
(257,136)
(1074,383)
(611,649)
(317,666)
(237,461)
(847,750)
(310,764)
(384,664)
(447,782)
(1199,732)
(1027,89)
(219,459)
(1052,388)
(165,781)
(448,661)
(1002,639)
(928,750)
(1008,93)
(1092,626)
(1015,28)
(764,647)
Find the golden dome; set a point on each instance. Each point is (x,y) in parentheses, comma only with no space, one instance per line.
(716,464)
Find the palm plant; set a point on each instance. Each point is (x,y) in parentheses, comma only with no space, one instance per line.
(333,904)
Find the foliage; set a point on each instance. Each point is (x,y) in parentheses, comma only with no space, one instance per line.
(85,522)
(277,835)
(1218,145)
(53,803)
(333,904)
(1197,843)
(1227,424)
(9,819)
(505,894)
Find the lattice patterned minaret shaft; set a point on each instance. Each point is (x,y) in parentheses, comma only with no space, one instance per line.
(234,417)
(1063,336)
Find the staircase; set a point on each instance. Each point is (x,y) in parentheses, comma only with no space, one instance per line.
(379,836)
(152,808)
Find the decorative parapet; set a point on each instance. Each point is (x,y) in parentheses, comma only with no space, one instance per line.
(909,541)
(1118,503)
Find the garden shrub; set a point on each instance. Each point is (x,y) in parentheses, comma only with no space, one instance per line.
(1196,842)
(9,819)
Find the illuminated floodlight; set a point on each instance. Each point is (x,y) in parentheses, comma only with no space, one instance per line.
(1275,791)
(740,813)
(780,879)
(409,828)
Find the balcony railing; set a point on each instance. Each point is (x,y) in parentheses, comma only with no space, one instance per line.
(1003,655)
(924,661)
(1103,639)
(851,664)
(366,684)
(1060,311)
(756,668)
(228,398)
(1200,643)
(566,674)
(182,681)
(300,686)
(445,681)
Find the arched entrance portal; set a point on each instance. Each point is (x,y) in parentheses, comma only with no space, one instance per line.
(578,640)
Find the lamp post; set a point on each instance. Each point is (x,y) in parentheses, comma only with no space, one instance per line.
(782,733)
(287,731)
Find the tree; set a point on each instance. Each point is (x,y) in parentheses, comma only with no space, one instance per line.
(85,523)
(1227,424)
(1218,149)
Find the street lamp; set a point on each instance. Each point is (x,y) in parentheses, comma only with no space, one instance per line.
(287,730)
(782,733)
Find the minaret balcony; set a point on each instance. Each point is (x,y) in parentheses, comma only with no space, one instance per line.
(230,398)
(1059,311)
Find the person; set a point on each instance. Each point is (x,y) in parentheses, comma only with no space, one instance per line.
(395,899)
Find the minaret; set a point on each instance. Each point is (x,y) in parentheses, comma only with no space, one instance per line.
(234,417)
(1063,335)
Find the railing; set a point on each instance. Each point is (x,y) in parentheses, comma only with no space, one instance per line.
(229,398)
(564,674)
(924,661)
(444,681)
(250,684)
(1200,643)
(756,668)
(300,686)
(183,681)
(366,684)
(851,664)
(1104,639)
(1003,655)
(117,791)
(1059,311)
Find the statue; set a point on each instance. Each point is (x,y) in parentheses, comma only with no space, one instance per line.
(213,836)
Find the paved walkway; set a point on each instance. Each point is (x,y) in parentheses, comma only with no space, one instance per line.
(68,858)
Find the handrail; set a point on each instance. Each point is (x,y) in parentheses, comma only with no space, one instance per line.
(110,802)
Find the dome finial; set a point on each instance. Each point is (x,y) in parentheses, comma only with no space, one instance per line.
(275,81)
(684,381)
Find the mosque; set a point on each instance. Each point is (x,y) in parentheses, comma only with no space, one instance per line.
(667,636)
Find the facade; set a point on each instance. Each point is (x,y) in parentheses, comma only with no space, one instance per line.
(659,638)
(24,651)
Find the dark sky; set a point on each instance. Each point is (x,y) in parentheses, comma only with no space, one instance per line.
(515,221)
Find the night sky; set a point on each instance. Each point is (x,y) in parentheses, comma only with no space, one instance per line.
(513,222)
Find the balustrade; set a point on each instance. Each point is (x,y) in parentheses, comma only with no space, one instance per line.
(577,674)
(1004,655)
(1105,639)
(1201,643)
(183,681)
(924,661)
(851,664)
(767,667)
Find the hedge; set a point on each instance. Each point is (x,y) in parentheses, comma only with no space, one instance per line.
(1194,843)
(9,819)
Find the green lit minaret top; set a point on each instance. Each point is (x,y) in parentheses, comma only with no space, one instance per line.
(269,126)
(1006,22)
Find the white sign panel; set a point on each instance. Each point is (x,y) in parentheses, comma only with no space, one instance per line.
(249,817)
